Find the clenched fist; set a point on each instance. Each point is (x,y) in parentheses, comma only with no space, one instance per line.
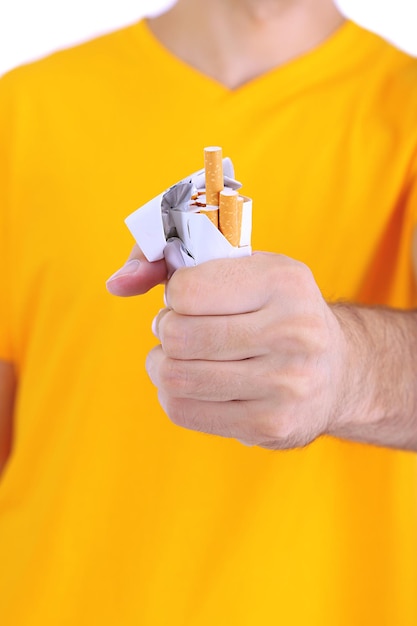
(249,349)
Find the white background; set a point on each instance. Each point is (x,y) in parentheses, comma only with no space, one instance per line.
(31,28)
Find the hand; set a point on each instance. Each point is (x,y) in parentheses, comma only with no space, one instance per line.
(137,276)
(249,350)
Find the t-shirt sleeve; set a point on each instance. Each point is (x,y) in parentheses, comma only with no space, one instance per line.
(6,351)
(409,265)
(413,213)
(413,198)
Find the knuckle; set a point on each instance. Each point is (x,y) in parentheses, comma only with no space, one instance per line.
(278,430)
(173,376)
(183,337)
(298,279)
(267,426)
(301,272)
(175,409)
(182,413)
(315,334)
(172,336)
(184,291)
(181,379)
(304,337)
(281,426)
(301,383)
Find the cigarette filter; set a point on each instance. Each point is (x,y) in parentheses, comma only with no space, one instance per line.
(230,215)
(174,224)
(213,166)
(212,213)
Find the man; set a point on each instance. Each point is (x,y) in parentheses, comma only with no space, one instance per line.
(109,513)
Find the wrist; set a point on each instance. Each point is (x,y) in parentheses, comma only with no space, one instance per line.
(377,397)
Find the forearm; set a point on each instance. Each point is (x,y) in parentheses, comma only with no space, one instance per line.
(378,404)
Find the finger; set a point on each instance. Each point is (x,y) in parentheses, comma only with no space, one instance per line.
(218,338)
(137,275)
(229,286)
(224,419)
(218,381)
(249,422)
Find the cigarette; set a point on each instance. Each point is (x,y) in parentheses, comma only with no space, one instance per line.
(239,217)
(213,166)
(212,213)
(230,215)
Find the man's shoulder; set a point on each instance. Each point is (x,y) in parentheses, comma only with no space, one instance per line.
(86,58)
(398,66)
(388,82)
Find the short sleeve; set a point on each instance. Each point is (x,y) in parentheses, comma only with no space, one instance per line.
(413,213)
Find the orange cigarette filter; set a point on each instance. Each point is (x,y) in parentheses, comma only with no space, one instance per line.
(213,166)
(230,215)
(212,214)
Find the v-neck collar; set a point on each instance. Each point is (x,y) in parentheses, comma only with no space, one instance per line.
(340,52)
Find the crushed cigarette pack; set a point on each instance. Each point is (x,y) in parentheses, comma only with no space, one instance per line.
(200,218)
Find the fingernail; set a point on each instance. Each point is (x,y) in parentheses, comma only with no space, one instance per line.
(129,269)
(155,323)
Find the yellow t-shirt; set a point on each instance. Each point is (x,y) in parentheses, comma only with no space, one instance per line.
(109,514)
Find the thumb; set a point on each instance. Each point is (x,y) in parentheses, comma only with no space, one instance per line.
(137,275)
